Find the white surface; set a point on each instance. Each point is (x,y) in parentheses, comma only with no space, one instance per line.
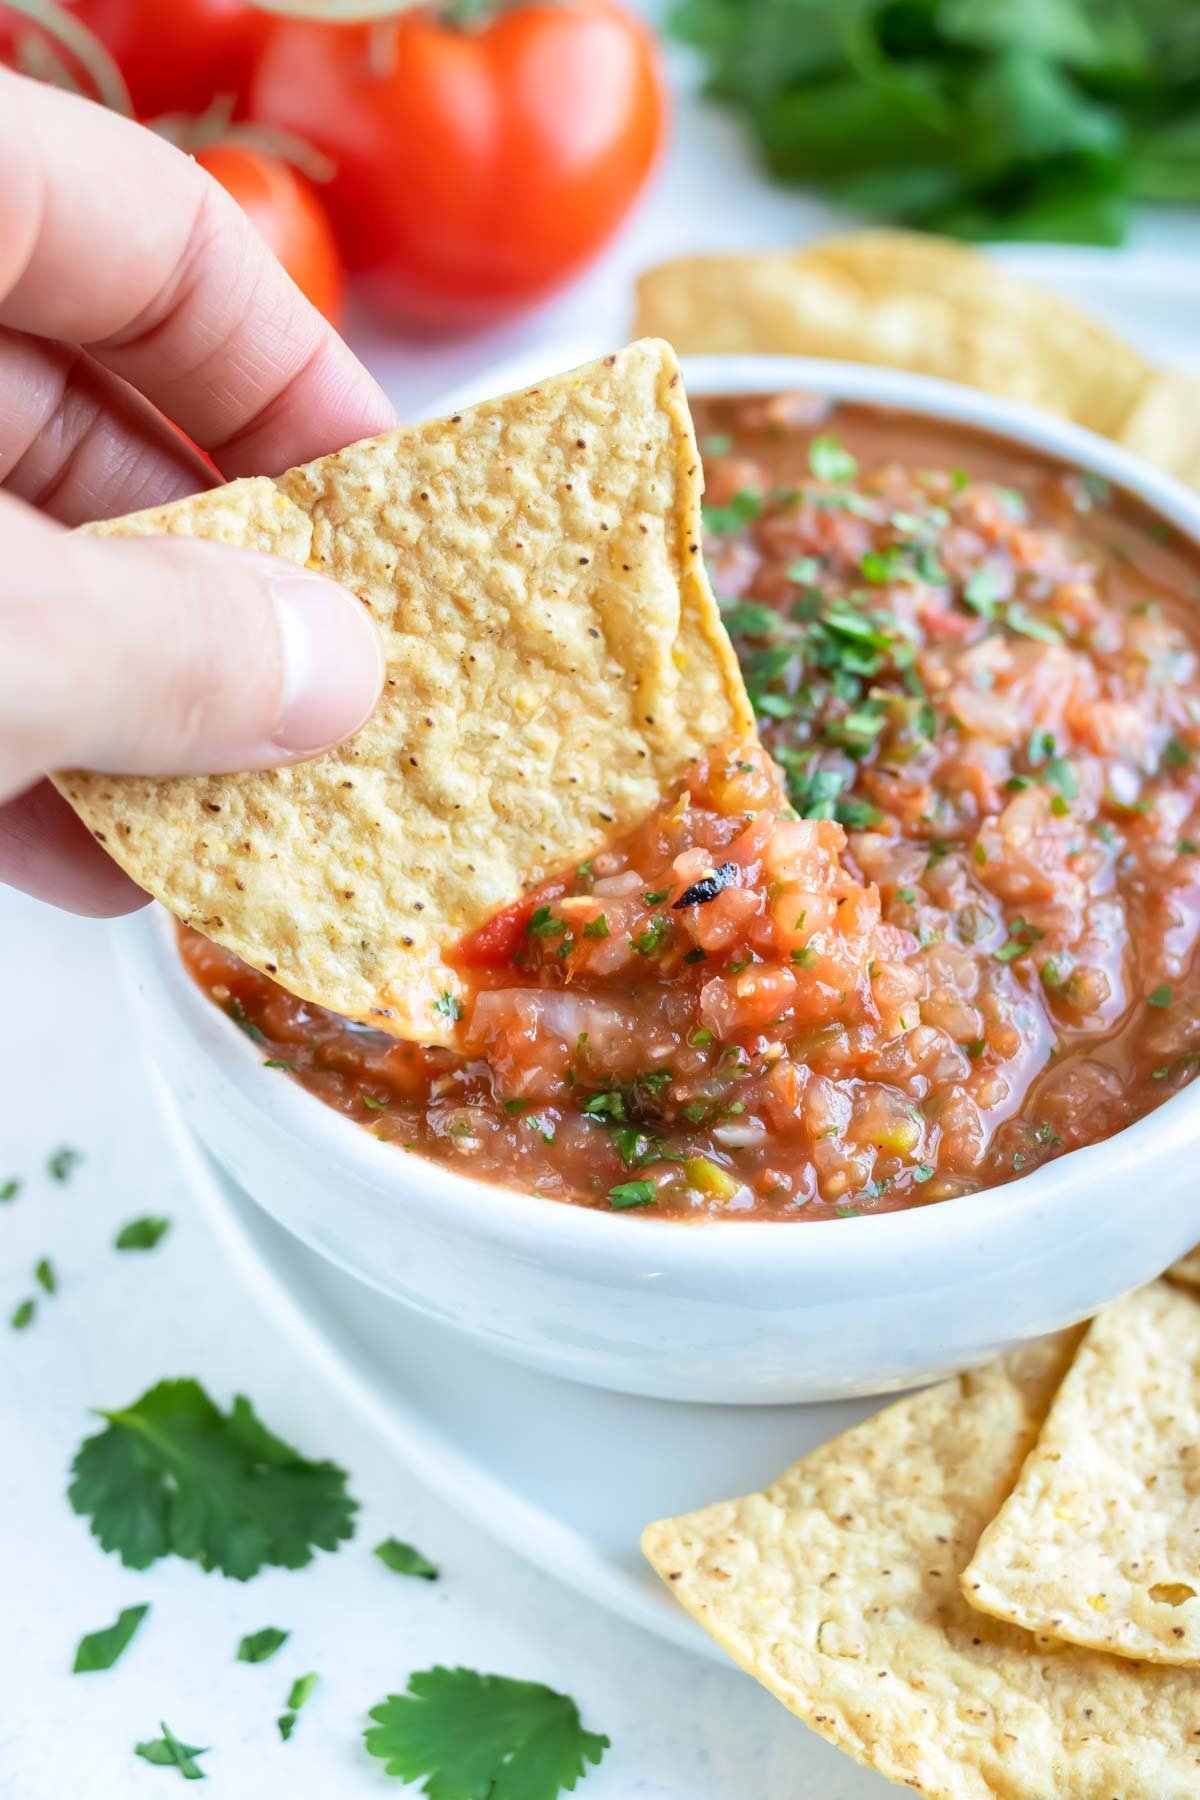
(769,1313)
(682,1728)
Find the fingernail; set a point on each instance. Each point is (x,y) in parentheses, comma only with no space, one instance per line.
(332,663)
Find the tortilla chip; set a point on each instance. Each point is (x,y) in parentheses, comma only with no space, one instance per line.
(555,658)
(1099,1542)
(1187,1270)
(904,301)
(838,1589)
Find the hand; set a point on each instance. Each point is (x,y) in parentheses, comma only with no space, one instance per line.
(132,287)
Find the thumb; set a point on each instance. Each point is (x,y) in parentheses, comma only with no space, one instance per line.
(168,656)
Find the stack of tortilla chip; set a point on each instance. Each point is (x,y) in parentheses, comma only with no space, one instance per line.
(991,1590)
(905,301)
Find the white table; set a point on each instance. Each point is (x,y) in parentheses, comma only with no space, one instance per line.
(681,1729)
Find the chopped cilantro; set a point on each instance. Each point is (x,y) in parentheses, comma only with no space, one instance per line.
(44,1275)
(373,1105)
(448,1006)
(1176,755)
(585,875)
(543,924)
(981,592)
(829,460)
(654,1081)
(975,1048)
(923,1173)
(804,956)
(696,955)
(1020,620)
(804,570)
(746,618)
(172,1474)
(634,1147)
(166,1752)
(279,1062)
(101,1649)
(1021,937)
(1161,997)
(631,1193)
(717,443)
(847,1212)
(403,1559)
(466,1736)
(657,897)
(62,1165)
(700,1037)
(142,1234)
(741,511)
(10,1189)
(608,1105)
(874,1189)
(1184,847)
(657,933)
(23,1315)
(241,1018)
(299,1693)
(260,1646)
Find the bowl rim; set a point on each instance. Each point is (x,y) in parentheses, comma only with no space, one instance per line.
(611,1242)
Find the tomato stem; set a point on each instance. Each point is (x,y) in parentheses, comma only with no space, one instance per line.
(197,132)
(68,33)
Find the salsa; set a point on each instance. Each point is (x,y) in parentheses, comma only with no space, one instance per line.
(943,930)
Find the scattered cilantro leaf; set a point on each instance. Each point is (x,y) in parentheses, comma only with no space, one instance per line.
(101,1649)
(167,1752)
(287,1724)
(597,927)
(372,1104)
(10,1189)
(142,1234)
(1161,997)
(467,1736)
(448,1006)
(657,933)
(172,1474)
(279,1062)
(404,1559)
(23,1314)
(299,1694)
(63,1163)
(260,1646)
(45,1277)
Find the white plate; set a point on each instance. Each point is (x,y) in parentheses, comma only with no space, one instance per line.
(564,1474)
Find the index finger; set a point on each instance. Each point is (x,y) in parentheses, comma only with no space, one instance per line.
(113,239)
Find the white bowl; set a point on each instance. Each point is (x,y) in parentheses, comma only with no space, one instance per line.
(714,1312)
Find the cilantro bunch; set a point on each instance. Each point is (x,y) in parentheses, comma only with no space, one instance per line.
(1032,119)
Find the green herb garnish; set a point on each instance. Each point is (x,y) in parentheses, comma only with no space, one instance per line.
(142,1234)
(63,1164)
(467,1736)
(101,1649)
(829,460)
(627,1194)
(403,1559)
(448,1006)
(167,1752)
(1161,997)
(172,1474)
(260,1646)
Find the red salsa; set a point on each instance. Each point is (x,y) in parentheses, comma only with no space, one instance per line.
(944,931)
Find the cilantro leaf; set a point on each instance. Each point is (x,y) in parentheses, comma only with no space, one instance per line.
(260,1646)
(141,1234)
(167,1752)
(403,1559)
(45,1277)
(632,1193)
(467,1736)
(62,1165)
(745,506)
(172,1474)
(829,460)
(101,1649)
(449,1007)
(23,1314)
(11,1188)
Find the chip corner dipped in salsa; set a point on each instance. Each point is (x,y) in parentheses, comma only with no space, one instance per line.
(938,929)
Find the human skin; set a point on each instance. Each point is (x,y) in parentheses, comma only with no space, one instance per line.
(134,292)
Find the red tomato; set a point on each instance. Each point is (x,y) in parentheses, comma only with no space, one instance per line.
(494,944)
(477,167)
(176,55)
(285,209)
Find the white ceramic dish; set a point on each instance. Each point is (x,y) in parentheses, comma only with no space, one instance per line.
(720,1312)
